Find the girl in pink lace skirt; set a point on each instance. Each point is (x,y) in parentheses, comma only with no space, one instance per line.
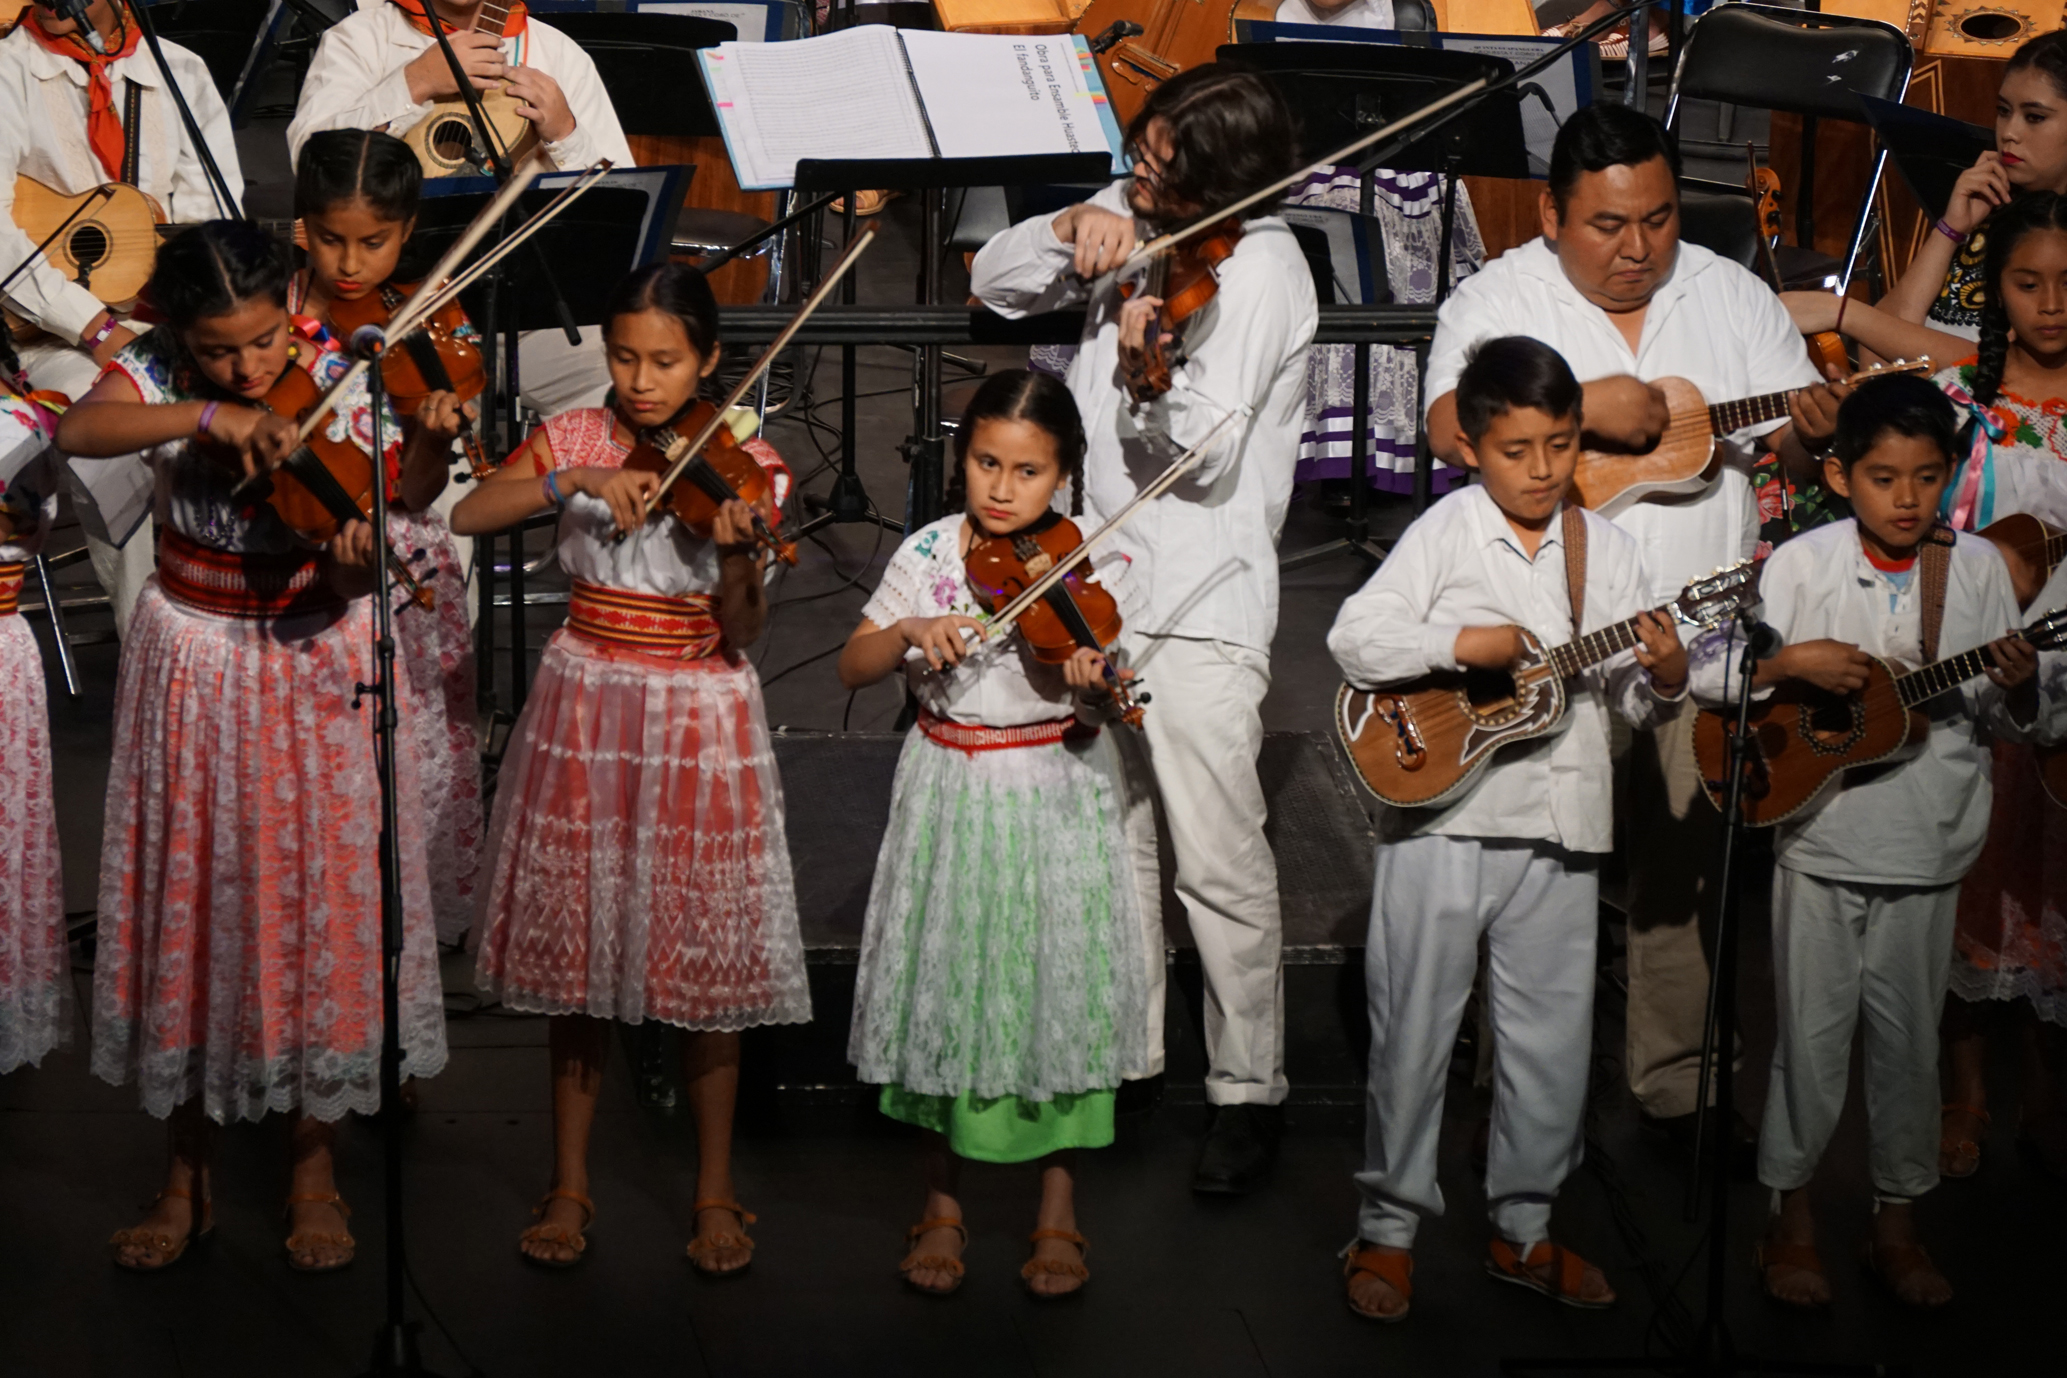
(238,967)
(35,963)
(637,863)
(356,192)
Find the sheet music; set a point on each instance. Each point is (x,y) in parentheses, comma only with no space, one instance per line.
(846,95)
(1005,95)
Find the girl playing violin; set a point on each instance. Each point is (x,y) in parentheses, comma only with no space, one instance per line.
(356,192)
(1002,992)
(35,963)
(239,965)
(638,866)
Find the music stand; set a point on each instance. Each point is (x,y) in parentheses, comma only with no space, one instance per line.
(1929,150)
(1337,91)
(925,450)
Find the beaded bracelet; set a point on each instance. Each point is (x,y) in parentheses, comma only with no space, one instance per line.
(551,484)
(1954,235)
(207,415)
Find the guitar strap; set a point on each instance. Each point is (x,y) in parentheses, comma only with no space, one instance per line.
(132,134)
(1575,565)
(1933,569)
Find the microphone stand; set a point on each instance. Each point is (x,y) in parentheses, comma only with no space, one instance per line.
(218,185)
(395,1349)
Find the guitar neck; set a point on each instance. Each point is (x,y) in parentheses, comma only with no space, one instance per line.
(1594,647)
(1725,417)
(492,18)
(1925,683)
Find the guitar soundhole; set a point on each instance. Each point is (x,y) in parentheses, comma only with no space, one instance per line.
(88,245)
(1493,698)
(1992,26)
(453,140)
(1831,724)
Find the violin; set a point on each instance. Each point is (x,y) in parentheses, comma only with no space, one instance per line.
(1827,347)
(325,483)
(1184,278)
(438,357)
(1073,613)
(721,471)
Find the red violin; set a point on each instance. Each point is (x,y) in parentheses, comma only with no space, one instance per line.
(440,356)
(721,472)
(1074,613)
(1184,278)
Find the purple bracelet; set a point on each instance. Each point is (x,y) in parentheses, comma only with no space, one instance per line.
(207,415)
(1954,235)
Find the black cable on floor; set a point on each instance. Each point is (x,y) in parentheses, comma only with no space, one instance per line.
(833,649)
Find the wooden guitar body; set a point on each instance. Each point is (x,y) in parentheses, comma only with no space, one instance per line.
(1681,462)
(1425,742)
(11,12)
(1802,738)
(2030,548)
(1008,16)
(1176,36)
(443,139)
(109,250)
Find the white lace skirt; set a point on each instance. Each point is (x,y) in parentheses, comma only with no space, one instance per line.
(1001,953)
(35,962)
(638,863)
(239,941)
(435,648)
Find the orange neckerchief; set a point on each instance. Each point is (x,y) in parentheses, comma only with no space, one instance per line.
(103,127)
(417,12)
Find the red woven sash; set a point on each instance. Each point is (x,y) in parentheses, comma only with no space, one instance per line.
(675,628)
(233,585)
(965,737)
(11,587)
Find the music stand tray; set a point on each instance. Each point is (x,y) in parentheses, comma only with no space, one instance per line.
(1929,150)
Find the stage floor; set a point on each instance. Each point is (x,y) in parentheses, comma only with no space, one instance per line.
(1182,1285)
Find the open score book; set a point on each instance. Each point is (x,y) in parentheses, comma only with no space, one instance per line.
(879,92)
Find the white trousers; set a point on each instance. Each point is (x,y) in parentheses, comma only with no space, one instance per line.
(120,570)
(1203,733)
(1538,908)
(1840,951)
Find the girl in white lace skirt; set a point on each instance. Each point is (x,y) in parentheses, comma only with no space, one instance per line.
(638,866)
(35,962)
(1001,993)
(238,964)
(356,192)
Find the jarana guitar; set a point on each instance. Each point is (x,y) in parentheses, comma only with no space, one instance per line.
(444,141)
(1683,460)
(108,250)
(2030,548)
(1803,737)
(1426,741)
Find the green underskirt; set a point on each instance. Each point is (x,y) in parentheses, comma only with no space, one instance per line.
(1007,1129)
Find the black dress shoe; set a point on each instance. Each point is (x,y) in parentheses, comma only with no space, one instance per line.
(1240,1149)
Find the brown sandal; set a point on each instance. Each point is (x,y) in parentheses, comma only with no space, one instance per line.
(1567,1273)
(170,1250)
(1392,1267)
(308,1241)
(543,1233)
(915,1262)
(704,1245)
(1960,1157)
(1892,1263)
(1048,1267)
(1802,1258)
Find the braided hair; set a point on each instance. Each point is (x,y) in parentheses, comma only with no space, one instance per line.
(1017,394)
(215,267)
(2005,228)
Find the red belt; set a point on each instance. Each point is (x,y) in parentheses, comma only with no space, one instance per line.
(965,737)
(11,586)
(677,628)
(241,585)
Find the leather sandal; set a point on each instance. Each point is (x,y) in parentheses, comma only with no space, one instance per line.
(915,1262)
(1048,1267)
(1568,1272)
(704,1245)
(1892,1263)
(543,1233)
(1960,1157)
(168,1249)
(1769,1254)
(1392,1267)
(308,1241)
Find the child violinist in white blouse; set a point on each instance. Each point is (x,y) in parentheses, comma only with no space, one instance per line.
(1001,996)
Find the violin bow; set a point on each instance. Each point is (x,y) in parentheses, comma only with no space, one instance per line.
(684,451)
(454,286)
(1157,245)
(1001,622)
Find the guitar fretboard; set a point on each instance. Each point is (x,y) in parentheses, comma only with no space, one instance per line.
(1725,417)
(492,19)
(1594,647)
(1925,683)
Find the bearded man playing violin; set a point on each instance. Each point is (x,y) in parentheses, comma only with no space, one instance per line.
(1200,592)
(63,122)
(1612,288)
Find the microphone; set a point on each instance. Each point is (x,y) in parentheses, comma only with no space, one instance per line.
(75,10)
(1762,641)
(369,341)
